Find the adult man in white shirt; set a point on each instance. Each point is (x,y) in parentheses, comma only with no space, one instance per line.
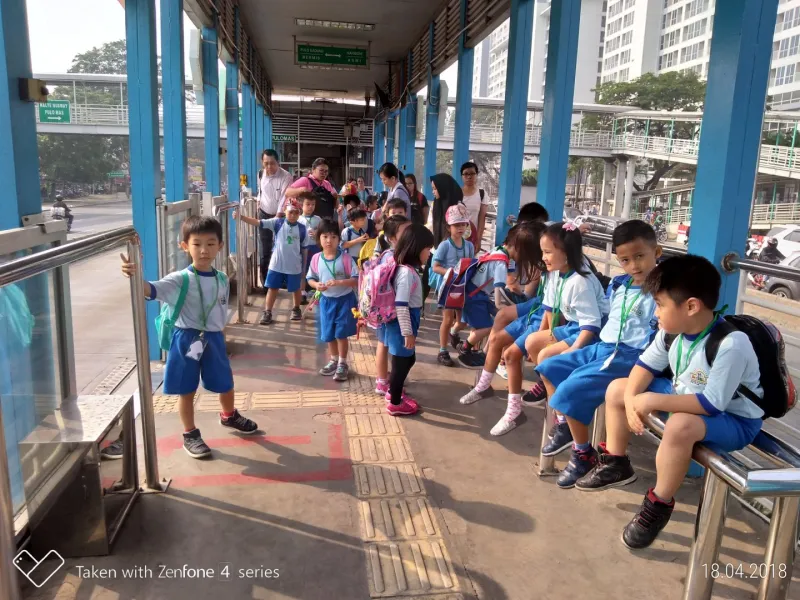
(476,201)
(273,181)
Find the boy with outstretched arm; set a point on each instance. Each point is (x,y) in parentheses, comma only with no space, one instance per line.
(198,341)
(704,400)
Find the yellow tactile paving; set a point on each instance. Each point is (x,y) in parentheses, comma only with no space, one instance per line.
(320,398)
(410,569)
(380,449)
(259,400)
(209,402)
(397,518)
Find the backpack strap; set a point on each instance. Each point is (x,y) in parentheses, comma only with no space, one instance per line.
(615,284)
(278,225)
(315,263)
(303,233)
(176,312)
(347,264)
(482,192)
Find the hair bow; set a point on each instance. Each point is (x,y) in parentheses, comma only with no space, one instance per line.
(570,226)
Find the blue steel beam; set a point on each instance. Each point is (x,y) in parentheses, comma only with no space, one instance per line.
(738,73)
(559,91)
(515,111)
(391,131)
(232,119)
(252,163)
(466,68)
(410,126)
(19,168)
(268,142)
(211,109)
(145,167)
(176,161)
(402,116)
(380,148)
(248,128)
(431,120)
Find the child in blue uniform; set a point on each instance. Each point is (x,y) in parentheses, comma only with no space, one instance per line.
(704,400)
(334,273)
(447,255)
(286,264)
(572,291)
(198,340)
(399,336)
(312,222)
(355,235)
(576,382)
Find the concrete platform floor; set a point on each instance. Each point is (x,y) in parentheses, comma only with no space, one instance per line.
(344,503)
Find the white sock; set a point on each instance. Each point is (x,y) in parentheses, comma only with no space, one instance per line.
(334,358)
(342,360)
(484,382)
(561,418)
(514,408)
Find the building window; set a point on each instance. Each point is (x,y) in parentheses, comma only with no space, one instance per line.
(696,7)
(671,18)
(788,19)
(611,62)
(670,39)
(786,47)
(783,75)
(613,44)
(629,4)
(614,27)
(627,20)
(668,3)
(625,57)
(627,38)
(624,74)
(615,9)
(668,60)
(692,52)
(695,29)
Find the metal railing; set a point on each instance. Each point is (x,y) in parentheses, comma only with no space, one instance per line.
(118,115)
(47,260)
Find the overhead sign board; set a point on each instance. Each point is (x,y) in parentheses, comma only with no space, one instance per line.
(55,111)
(315,53)
(282,137)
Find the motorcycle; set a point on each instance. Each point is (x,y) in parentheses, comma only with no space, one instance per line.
(661,233)
(59,213)
(753,248)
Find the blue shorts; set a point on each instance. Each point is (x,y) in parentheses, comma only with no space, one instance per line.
(336,320)
(724,431)
(579,382)
(390,335)
(479,310)
(182,374)
(277,280)
(525,307)
(522,328)
(567,333)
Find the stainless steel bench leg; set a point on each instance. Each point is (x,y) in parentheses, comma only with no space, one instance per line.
(779,554)
(130,466)
(707,538)
(599,426)
(547,463)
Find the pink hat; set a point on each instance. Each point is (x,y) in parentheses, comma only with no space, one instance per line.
(291,204)
(457,214)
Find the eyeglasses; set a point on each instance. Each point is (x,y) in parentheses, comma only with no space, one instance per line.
(469,174)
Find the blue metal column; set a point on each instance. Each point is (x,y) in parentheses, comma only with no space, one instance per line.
(402,118)
(466,68)
(19,168)
(176,162)
(268,142)
(248,129)
(731,131)
(211,109)
(431,121)
(515,110)
(562,55)
(259,134)
(232,119)
(380,149)
(253,162)
(391,128)
(409,144)
(145,167)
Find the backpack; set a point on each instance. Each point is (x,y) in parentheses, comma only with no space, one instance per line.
(780,394)
(367,250)
(604,280)
(326,202)
(165,321)
(376,296)
(347,263)
(453,291)
(301,227)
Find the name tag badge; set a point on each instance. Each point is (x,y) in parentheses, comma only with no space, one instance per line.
(608,361)
(196,348)
(289,239)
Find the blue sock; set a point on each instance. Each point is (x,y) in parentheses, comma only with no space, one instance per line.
(582,447)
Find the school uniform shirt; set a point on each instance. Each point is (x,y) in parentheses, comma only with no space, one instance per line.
(399,191)
(271,190)
(407,298)
(715,386)
(329,270)
(580,301)
(287,255)
(312,223)
(492,274)
(448,254)
(638,329)
(348,235)
(215,288)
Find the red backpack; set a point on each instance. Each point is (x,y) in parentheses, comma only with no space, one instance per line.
(453,293)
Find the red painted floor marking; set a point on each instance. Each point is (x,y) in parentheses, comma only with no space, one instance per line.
(338,468)
(167,445)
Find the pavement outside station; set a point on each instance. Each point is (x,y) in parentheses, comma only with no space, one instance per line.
(347,503)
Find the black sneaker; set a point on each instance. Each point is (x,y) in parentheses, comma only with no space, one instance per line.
(455,340)
(648,523)
(304,301)
(239,423)
(444,359)
(266,318)
(113,451)
(611,471)
(472,359)
(580,463)
(561,440)
(194,444)
(535,396)
(296,314)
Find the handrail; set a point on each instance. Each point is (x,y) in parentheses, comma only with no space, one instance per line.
(731,262)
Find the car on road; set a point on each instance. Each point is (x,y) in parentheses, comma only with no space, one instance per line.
(788,237)
(785,288)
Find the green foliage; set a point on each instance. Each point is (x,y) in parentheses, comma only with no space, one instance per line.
(666,91)
(110,59)
(530,177)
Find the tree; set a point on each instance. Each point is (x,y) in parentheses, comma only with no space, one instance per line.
(110,59)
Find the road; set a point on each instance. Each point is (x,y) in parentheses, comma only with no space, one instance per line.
(95,219)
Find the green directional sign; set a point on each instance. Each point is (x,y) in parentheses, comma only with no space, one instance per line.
(341,56)
(116,174)
(55,111)
(282,137)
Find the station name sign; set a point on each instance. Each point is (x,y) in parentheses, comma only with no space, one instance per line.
(307,53)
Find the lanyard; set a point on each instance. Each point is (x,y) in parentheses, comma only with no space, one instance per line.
(678,369)
(462,250)
(626,310)
(205,312)
(536,305)
(332,271)
(557,307)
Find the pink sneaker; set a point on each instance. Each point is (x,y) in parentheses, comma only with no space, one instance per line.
(381,388)
(408,406)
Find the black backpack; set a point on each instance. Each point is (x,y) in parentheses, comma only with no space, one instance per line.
(604,280)
(780,394)
(326,202)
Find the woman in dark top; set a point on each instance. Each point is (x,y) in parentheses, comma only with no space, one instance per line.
(419,203)
(446,193)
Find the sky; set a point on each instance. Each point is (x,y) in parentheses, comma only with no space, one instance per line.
(60,29)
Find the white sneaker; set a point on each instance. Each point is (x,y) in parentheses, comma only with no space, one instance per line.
(502,371)
(503,426)
(473,396)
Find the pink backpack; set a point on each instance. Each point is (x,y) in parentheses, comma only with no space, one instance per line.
(347,263)
(376,297)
